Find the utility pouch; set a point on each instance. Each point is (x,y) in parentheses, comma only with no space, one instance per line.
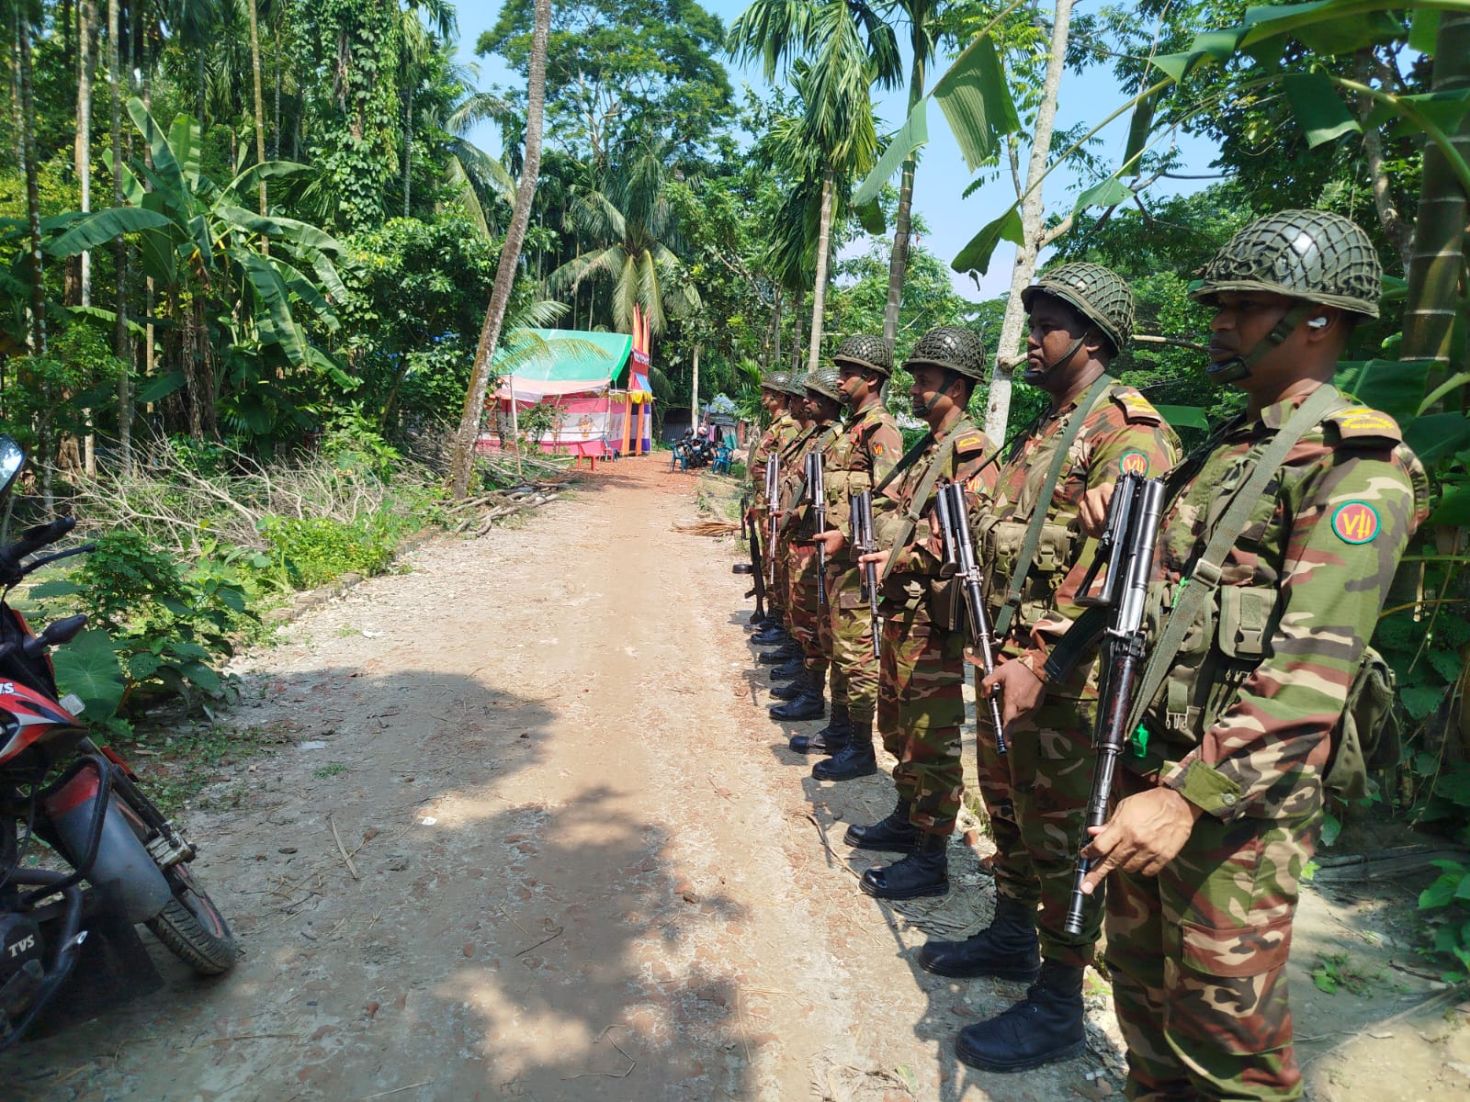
(1247,620)
(1368,737)
(944,603)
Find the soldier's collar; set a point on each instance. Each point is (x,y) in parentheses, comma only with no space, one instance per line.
(1276,414)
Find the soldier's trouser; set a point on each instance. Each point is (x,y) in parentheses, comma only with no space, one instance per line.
(1036,797)
(826,633)
(921,708)
(852,645)
(782,570)
(806,608)
(1198,963)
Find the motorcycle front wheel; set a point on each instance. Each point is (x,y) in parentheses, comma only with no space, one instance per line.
(192,928)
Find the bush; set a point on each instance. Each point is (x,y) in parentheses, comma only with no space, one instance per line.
(306,552)
(157,625)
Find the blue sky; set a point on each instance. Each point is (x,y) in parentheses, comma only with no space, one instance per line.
(942,175)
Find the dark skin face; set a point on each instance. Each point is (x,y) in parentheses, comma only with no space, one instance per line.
(1298,365)
(942,394)
(775,404)
(800,408)
(823,409)
(1054,328)
(859,385)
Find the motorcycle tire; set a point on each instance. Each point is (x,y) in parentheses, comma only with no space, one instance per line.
(192,929)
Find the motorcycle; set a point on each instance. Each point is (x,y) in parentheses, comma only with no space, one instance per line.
(692,451)
(123,862)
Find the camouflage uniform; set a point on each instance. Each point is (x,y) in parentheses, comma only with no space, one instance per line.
(804,579)
(1036,795)
(858,459)
(782,429)
(921,706)
(1242,726)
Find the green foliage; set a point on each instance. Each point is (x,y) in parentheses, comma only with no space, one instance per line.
(355,446)
(157,626)
(310,551)
(1447,905)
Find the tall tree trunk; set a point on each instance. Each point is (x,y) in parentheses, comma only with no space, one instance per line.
(86,72)
(799,338)
(694,390)
(1438,252)
(898,259)
(279,13)
(998,409)
(32,182)
(463,460)
(776,308)
(121,344)
(259,107)
(819,283)
(407,150)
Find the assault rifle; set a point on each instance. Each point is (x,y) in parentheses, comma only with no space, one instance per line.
(959,549)
(1126,547)
(773,490)
(751,533)
(865,542)
(817,498)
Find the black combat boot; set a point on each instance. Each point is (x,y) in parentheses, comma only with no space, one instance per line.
(808,704)
(1007,949)
(925,871)
(786,651)
(1044,1027)
(787,669)
(799,685)
(856,759)
(891,834)
(830,739)
(770,635)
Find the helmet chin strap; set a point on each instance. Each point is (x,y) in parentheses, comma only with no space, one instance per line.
(1239,367)
(1034,376)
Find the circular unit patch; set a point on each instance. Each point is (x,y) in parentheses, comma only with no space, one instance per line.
(1356,522)
(1133,463)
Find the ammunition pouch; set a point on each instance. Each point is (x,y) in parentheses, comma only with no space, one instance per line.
(945,598)
(1001,543)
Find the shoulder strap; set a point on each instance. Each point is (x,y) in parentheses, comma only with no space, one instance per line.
(910,457)
(1204,578)
(1043,505)
(915,510)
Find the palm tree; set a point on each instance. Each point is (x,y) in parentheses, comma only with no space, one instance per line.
(846,48)
(631,228)
(463,457)
(420,43)
(1438,252)
(923,19)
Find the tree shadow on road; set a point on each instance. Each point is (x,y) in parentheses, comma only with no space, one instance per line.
(481,944)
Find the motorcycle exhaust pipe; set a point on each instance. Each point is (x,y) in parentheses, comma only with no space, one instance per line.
(122,870)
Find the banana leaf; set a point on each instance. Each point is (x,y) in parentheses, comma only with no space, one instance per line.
(100,227)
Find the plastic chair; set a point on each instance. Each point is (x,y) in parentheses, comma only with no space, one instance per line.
(723,457)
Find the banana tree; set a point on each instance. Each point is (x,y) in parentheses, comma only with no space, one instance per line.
(232,316)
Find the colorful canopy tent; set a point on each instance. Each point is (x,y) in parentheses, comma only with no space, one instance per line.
(578,377)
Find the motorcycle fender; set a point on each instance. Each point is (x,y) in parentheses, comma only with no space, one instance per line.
(124,873)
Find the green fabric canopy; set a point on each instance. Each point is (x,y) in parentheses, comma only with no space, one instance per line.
(572,361)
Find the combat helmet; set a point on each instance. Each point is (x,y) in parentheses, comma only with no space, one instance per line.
(1314,256)
(777,381)
(865,350)
(796,383)
(952,348)
(825,381)
(1099,294)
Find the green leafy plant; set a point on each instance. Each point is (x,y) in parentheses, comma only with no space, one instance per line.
(1447,902)
(310,551)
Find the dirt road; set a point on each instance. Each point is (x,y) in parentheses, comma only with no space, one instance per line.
(586,864)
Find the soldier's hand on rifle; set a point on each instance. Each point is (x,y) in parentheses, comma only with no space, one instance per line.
(877,558)
(1021,690)
(834,540)
(1146,832)
(1092,513)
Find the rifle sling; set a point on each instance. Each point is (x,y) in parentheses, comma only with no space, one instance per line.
(1204,578)
(1043,505)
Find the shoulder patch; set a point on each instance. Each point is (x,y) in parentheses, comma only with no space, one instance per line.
(1362,423)
(969,442)
(1136,408)
(1133,462)
(1356,522)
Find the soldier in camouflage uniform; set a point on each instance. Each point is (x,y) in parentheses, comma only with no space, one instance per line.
(791,439)
(859,458)
(1080,317)
(1223,798)
(782,428)
(921,669)
(803,697)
